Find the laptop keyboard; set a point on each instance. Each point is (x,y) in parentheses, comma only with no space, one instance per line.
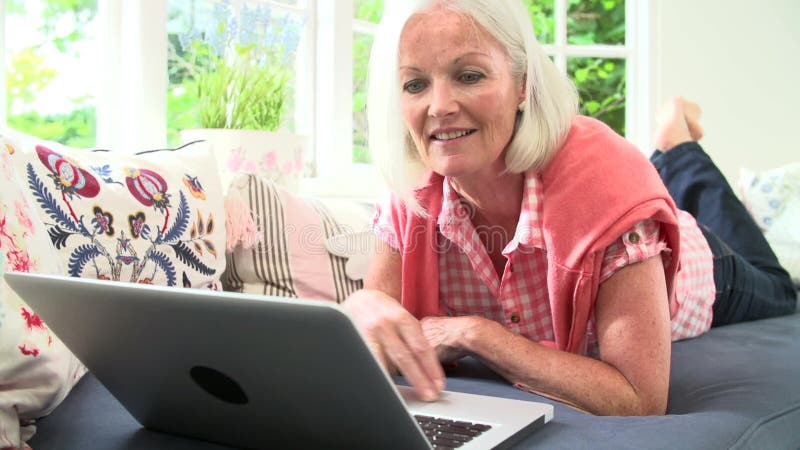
(446,433)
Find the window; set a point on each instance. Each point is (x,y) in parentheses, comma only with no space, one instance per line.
(367,15)
(587,39)
(125,63)
(205,37)
(47,47)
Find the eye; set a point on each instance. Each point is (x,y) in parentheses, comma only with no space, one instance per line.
(470,77)
(414,86)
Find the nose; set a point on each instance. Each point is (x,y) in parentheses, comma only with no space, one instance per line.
(443,101)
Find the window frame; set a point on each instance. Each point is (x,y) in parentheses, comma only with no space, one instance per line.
(3,93)
(635,51)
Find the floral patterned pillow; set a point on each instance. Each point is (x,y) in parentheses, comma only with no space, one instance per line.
(155,217)
(773,199)
(36,369)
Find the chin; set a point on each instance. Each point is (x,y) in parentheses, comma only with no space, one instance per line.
(451,170)
(451,166)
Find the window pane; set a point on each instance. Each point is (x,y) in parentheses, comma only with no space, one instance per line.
(601,84)
(231,65)
(362,43)
(368,10)
(543,17)
(596,22)
(49,45)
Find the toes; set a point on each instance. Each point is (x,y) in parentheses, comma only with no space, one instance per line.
(692,113)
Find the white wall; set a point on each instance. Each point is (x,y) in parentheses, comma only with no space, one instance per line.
(740,59)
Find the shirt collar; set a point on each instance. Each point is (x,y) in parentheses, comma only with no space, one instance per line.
(529,226)
(453,212)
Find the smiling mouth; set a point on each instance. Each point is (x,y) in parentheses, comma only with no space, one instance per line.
(452,135)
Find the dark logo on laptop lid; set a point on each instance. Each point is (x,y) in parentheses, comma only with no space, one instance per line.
(218,385)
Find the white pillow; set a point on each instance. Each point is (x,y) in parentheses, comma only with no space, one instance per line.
(773,198)
(155,217)
(36,369)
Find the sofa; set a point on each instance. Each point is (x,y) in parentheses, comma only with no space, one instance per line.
(737,386)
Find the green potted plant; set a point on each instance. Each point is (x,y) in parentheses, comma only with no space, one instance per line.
(241,65)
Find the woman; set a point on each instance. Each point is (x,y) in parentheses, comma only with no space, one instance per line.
(536,240)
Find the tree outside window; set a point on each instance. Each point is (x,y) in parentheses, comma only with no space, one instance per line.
(51,63)
(367,14)
(601,82)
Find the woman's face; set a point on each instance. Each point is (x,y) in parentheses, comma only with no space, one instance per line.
(459,99)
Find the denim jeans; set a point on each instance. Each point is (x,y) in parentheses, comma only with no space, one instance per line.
(750,282)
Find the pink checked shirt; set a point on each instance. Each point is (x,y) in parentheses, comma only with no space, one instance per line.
(469,284)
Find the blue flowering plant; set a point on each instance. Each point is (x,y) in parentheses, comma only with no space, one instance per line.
(242,63)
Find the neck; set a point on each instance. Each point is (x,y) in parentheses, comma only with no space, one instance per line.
(495,200)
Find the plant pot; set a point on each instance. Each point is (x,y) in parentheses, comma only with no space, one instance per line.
(275,156)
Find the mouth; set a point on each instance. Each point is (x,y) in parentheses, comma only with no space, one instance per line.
(451,135)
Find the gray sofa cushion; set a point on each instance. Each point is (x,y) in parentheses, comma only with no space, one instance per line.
(735,387)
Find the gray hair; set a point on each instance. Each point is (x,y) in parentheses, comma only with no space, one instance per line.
(549,107)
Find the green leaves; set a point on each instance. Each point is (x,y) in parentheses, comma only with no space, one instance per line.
(596,22)
(601,85)
(213,91)
(368,10)
(543,17)
(242,95)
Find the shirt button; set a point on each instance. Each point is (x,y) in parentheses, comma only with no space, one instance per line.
(634,238)
(515,318)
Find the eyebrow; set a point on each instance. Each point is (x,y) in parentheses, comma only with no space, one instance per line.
(455,61)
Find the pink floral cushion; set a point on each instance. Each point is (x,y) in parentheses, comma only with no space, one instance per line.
(36,369)
(290,258)
(154,217)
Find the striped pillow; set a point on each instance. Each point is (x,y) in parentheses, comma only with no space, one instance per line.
(291,259)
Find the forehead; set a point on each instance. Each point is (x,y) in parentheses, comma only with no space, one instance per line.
(444,31)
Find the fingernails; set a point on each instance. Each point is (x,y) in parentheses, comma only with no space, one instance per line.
(430,395)
(440,384)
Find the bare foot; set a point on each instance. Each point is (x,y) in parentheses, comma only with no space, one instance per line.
(692,114)
(677,121)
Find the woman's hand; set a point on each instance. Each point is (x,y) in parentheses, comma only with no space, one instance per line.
(448,335)
(397,339)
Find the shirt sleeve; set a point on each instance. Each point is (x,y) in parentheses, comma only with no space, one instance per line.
(640,242)
(384,223)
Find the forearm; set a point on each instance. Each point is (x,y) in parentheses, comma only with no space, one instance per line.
(586,383)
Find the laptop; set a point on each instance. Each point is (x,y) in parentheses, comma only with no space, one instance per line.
(257,372)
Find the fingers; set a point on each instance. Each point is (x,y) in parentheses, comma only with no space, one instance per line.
(424,374)
(397,338)
(424,354)
(405,346)
(377,350)
(448,336)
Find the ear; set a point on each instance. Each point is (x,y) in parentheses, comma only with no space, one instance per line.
(523,92)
